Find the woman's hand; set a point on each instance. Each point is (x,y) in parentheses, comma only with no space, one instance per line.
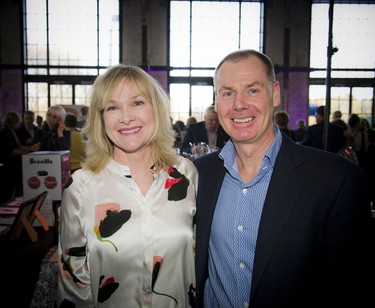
(60,128)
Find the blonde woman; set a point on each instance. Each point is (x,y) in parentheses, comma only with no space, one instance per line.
(53,136)
(126,234)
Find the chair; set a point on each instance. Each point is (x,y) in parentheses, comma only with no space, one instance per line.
(28,211)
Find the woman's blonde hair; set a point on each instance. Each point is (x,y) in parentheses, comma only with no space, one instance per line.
(99,148)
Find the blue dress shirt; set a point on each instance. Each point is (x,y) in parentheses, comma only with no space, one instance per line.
(234,230)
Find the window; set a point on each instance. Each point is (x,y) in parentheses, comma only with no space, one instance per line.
(352,76)
(201,34)
(66,44)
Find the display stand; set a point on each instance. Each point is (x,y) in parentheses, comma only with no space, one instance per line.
(28,211)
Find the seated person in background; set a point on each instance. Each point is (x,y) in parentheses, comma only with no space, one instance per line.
(11,158)
(300,132)
(179,127)
(338,121)
(39,121)
(84,111)
(314,134)
(53,136)
(77,147)
(208,131)
(191,120)
(281,119)
(27,130)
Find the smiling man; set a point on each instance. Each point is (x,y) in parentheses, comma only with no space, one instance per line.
(278,224)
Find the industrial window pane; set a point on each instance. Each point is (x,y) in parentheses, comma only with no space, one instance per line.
(82,95)
(202,97)
(180,34)
(201,34)
(353,33)
(36,25)
(362,102)
(215,32)
(61,94)
(68,38)
(37,98)
(109,29)
(340,100)
(251,26)
(72,32)
(179,96)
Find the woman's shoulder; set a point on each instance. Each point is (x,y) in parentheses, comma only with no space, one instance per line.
(79,180)
(184,164)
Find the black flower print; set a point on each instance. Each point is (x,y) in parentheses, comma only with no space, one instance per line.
(177,186)
(109,220)
(106,289)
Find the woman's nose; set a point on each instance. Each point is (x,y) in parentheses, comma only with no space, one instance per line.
(126,116)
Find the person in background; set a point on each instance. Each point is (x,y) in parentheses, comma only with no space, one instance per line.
(39,121)
(11,157)
(370,159)
(336,119)
(179,127)
(357,138)
(277,224)
(27,130)
(177,133)
(53,136)
(208,131)
(84,111)
(314,134)
(281,119)
(126,235)
(77,147)
(300,132)
(191,120)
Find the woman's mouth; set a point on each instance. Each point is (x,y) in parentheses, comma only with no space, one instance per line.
(129,131)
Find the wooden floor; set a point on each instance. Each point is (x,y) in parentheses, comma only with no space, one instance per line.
(20,264)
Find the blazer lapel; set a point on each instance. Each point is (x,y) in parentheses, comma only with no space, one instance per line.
(211,175)
(276,210)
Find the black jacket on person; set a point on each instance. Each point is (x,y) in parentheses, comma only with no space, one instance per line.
(10,166)
(50,141)
(314,137)
(314,243)
(24,135)
(197,133)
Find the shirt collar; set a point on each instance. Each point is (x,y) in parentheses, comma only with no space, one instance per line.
(117,168)
(228,153)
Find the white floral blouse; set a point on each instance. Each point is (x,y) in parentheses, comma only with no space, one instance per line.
(123,249)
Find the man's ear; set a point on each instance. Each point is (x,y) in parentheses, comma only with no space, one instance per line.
(215,101)
(276,96)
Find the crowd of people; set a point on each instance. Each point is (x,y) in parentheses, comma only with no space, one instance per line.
(271,217)
(21,135)
(355,136)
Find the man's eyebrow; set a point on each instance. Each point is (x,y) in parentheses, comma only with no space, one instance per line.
(247,85)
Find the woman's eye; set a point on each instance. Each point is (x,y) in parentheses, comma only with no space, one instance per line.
(138,103)
(109,108)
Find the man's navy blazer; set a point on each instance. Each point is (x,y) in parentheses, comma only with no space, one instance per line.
(197,133)
(312,246)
